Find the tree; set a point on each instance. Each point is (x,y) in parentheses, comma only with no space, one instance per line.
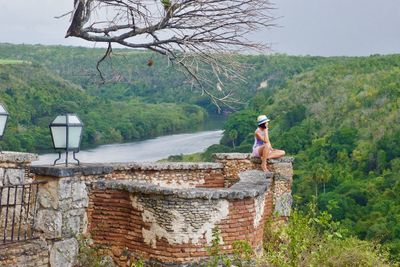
(200,36)
(233,134)
(320,174)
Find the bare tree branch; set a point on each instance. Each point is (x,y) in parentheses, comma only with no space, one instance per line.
(200,36)
(107,54)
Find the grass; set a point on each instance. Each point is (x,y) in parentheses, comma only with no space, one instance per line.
(11,61)
(196,157)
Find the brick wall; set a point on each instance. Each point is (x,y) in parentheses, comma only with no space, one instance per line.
(161,212)
(177,228)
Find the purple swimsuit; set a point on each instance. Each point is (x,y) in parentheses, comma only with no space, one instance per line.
(257,144)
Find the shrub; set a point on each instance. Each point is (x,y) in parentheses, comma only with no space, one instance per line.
(314,239)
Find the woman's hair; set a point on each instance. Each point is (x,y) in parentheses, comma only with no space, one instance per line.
(262,125)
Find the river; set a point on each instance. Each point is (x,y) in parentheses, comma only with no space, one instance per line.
(144,151)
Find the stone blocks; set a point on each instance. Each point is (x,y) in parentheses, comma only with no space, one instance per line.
(49,223)
(64,253)
(164,212)
(27,254)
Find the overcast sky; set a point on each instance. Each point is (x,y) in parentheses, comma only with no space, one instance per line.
(306,27)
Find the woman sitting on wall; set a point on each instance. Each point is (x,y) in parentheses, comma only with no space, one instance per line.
(262,147)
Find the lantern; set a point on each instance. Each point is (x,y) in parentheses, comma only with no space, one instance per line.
(66,134)
(3,120)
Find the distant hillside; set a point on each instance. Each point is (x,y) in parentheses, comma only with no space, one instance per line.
(147,100)
(128,74)
(338,116)
(341,121)
(34,95)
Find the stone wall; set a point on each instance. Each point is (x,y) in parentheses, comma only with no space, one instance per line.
(17,207)
(62,217)
(172,175)
(15,168)
(14,190)
(282,170)
(161,212)
(35,235)
(25,254)
(174,226)
(64,198)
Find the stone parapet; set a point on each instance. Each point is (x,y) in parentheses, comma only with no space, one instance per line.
(14,167)
(232,156)
(63,200)
(174,226)
(155,166)
(281,169)
(58,171)
(233,163)
(99,169)
(248,156)
(174,175)
(251,184)
(17,157)
(161,212)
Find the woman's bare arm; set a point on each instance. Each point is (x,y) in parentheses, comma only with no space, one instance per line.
(264,138)
(267,138)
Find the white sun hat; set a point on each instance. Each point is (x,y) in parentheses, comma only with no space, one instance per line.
(262,119)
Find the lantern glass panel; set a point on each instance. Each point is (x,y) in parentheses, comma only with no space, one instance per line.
(2,109)
(60,119)
(74,137)
(3,119)
(59,136)
(73,119)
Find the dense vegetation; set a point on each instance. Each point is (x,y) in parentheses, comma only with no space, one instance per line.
(128,73)
(34,95)
(339,118)
(341,122)
(310,238)
(137,101)
(313,238)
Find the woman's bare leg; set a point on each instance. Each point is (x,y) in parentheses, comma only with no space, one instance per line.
(264,153)
(276,153)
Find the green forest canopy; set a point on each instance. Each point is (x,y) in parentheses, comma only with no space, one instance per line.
(341,121)
(35,94)
(339,117)
(49,80)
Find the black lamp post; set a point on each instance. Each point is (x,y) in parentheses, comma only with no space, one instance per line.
(3,120)
(66,134)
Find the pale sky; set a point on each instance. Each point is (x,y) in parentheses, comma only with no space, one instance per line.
(306,27)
